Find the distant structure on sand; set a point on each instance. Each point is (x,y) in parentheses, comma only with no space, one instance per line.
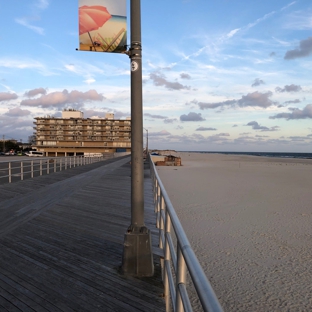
(168,160)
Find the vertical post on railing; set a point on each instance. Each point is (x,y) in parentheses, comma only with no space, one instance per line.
(162,234)
(22,171)
(70,162)
(10,173)
(167,260)
(161,222)
(48,166)
(65,163)
(41,167)
(60,164)
(74,161)
(158,207)
(180,278)
(32,168)
(155,196)
(54,164)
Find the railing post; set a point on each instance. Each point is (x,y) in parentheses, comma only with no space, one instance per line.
(48,166)
(60,164)
(161,235)
(32,168)
(41,167)
(22,171)
(70,162)
(10,173)
(65,163)
(158,207)
(180,278)
(155,195)
(54,164)
(167,259)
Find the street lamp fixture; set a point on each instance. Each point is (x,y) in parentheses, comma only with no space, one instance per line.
(146,149)
(137,254)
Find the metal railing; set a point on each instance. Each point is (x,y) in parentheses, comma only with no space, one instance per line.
(16,170)
(179,259)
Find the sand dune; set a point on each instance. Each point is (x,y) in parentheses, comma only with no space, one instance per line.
(249,220)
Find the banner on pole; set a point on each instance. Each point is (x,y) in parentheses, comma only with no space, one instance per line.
(103,25)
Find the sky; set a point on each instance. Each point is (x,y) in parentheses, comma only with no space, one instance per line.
(218,75)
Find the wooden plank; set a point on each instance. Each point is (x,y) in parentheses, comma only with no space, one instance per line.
(70,250)
(10,273)
(24,295)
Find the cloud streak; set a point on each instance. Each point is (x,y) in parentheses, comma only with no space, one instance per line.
(34,92)
(304,50)
(255,99)
(296,113)
(24,22)
(192,117)
(256,126)
(17,112)
(155,116)
(62,98)
(289,88)
(205,129)
(160,80)
(6,96)
(257,82)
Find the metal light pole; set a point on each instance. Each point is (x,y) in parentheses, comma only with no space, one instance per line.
(146,140)
(137,254)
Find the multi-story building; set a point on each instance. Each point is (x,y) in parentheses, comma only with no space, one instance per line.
(73,135)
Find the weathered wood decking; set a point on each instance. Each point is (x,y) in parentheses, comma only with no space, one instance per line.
(61,242)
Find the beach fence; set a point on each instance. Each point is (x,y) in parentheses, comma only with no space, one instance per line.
(179,262)
(16,170)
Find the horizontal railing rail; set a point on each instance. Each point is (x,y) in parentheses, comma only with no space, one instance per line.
(29,168)
(179,259)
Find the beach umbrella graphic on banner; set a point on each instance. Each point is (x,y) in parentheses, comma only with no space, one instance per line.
(99,30)
(92,18)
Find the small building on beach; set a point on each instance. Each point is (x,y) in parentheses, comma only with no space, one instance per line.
(169,160)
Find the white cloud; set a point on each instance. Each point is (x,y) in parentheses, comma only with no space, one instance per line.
(259,20)
(288,5)
(232,32)
(89,81)
(42,4)
(21,64)
(24,22)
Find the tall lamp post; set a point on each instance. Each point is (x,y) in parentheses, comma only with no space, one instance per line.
(3,139)
(137,254)
(146,140)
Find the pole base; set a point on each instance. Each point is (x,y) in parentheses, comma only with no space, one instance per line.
(137,257)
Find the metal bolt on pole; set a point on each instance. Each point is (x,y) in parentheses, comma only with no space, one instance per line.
(137,254)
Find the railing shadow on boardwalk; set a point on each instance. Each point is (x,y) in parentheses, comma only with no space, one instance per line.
(61,242)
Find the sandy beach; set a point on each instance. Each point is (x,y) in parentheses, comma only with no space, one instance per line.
(249,220)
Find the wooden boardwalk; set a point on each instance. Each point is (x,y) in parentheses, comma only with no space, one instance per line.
(61,242)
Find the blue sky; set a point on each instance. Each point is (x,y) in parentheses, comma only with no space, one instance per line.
(218,75)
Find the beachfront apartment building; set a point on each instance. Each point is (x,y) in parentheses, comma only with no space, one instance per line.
(74,135)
